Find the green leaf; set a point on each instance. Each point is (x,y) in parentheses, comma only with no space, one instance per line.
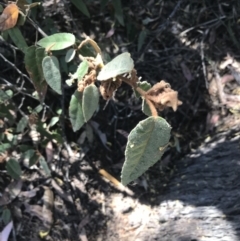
(44,166)
(13,168)
(90,101)
(145,108)
(30,157)
(6,216)
(33,160)
(141,38)
(57,41)
(18,38)
(22,124)
(9,93)
(75,111)
(122,64)
(146,144)
(8,111)
(44,133)
(117,4)
(82,70)
(21,19)
(70,55)
(38,108)
(144,85)
(4,96)
(52,73)
(57,137)
(24,148)
(53,121)
(33,64)
(4,147)
(81,6)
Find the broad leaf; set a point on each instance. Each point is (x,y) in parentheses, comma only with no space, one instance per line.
(75,111)
(9,17)
(21,19)
(90,101)
(145,108)
(8,111)
(70,55)
(52,73)
(13,168)
(117,4)
(33,64)
(4,96)
(22,124)
(144,85)
(6,216)
(81,6)
(122,64)
(82,70)
(141,38)
(30,157)
(4,147)
(53,121)
(57,41)
(18,38)
(44,166)
(146,144)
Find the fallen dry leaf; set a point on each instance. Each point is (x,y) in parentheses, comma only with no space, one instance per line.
(6,231)
(11,192)
(9,17)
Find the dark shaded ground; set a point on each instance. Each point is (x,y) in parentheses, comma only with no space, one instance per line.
(200,202)
(195,198)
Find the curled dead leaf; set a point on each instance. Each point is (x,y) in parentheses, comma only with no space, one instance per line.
(108,87)
(163,96)
(9,17)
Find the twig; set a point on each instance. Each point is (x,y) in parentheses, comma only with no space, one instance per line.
(37,27)
(203,64)
(166,23)
(115,182)
(163,26)
(201,24)
(65,143)
(15,67)
(19,90)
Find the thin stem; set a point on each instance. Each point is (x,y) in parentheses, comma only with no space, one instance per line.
(149,102)
(141,92)
(152,108)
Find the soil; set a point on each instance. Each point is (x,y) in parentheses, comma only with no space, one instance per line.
(192,193)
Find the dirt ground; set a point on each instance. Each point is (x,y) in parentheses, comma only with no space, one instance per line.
(192,193)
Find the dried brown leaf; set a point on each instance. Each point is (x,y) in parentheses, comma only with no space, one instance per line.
(9,17)
(47,208)
(49,151)
(163,96)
